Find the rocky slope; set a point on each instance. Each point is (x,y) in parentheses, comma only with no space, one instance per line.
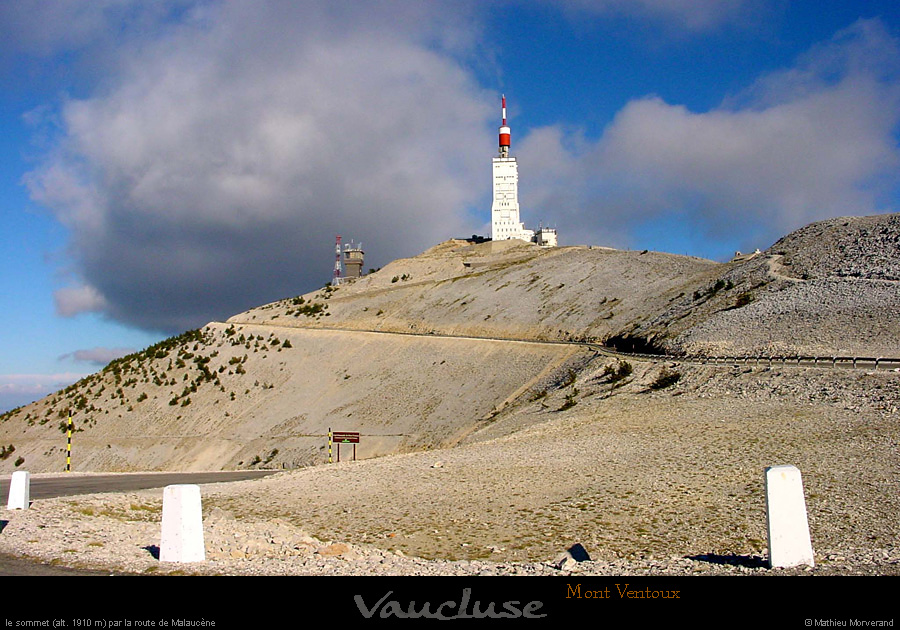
(828,289)
(508,290)
(654,466)
(264,388)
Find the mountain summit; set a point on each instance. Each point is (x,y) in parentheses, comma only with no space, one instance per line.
(432,351)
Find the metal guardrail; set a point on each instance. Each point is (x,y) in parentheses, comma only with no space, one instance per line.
(871,363)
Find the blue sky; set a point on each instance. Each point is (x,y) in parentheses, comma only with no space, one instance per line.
(165,164)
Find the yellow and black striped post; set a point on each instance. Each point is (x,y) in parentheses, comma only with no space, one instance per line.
(329,445)
(69,443)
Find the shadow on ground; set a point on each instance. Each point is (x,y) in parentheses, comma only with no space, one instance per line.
(750,562)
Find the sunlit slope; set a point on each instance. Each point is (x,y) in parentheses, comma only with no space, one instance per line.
(828,289)
(233,396)
(509,289)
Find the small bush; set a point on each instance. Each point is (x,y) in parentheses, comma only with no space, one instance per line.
(621,371)
(311,309)
(715,288)
(570,400)
(569,379)
(666,378)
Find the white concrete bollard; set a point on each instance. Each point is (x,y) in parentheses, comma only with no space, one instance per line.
(182,525)
(789,542)
(19,491)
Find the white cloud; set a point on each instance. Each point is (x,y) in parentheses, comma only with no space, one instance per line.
(676,15)
(45,27)
(214,170)
(811,142)
(37,382)
(20,389)
(72,301)
(98,356)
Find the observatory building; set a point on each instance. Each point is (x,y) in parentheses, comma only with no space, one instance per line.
(505,223)
(350,257)
(353,260)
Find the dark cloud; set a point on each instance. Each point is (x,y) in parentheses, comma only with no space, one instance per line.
(215,169)
(211,167)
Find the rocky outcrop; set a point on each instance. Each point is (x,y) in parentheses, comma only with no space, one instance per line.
(846,247)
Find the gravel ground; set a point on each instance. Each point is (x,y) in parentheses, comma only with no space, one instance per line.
(666,482)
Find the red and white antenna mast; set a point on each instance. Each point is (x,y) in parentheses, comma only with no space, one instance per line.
(504,131)
(336,280)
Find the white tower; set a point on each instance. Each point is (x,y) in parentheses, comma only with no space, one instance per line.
(505,206)
(336,277)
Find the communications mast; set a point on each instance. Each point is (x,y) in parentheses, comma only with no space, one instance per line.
(505,222)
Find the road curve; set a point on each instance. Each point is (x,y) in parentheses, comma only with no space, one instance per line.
(47,487)
(867,363)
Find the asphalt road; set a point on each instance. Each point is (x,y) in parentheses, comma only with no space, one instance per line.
(67,485)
